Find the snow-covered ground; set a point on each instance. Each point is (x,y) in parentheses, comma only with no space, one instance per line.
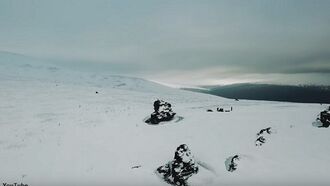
(56,130)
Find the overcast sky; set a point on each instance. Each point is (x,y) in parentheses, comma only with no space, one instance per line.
(183,42)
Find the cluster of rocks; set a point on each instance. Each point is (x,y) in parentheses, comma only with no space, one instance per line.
(231,162)
(183,166)
(224,110)
(162,112)
(261,136)
(221,110)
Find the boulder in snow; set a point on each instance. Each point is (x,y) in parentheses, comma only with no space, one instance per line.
(162,112)
(177,171)
(231,163)
(323,119)
(261,139)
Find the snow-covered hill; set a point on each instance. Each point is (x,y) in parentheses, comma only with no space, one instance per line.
(65,127)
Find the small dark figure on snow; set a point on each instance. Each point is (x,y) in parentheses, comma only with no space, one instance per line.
(177,171)
(162,112)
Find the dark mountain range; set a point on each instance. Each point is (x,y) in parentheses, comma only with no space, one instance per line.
(269,92)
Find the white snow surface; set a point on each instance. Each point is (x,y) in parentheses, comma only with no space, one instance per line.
(56,130)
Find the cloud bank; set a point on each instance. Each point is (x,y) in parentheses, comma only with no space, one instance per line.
(177,42)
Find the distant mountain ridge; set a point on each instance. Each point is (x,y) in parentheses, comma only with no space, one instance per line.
(270,92)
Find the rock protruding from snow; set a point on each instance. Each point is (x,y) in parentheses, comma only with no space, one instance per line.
(261,139)
(325,118)
(265,130)
(162,112)
(177,171)
(231,163)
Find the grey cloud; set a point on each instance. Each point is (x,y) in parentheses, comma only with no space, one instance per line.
(211,39)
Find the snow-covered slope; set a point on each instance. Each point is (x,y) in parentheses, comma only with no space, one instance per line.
(55,129)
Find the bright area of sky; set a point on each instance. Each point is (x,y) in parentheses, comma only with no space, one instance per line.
(184,42)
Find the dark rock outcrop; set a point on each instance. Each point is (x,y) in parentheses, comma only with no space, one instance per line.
(162,112)
(220,109)
(266,130)
(261,139)
(177,171)
(231,163)
(325,118)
